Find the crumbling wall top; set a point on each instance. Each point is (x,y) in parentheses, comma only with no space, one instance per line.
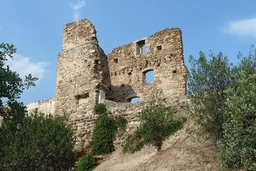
(78,33)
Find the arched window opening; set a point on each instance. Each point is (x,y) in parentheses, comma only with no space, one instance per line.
(149,76)
(134,99)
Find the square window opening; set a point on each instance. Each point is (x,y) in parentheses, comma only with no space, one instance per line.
(159,47)
(149,76)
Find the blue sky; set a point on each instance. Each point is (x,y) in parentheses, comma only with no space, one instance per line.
(36,28)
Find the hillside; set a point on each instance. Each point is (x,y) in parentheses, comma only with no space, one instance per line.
(182,151)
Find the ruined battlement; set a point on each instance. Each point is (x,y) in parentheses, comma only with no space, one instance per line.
(87,76)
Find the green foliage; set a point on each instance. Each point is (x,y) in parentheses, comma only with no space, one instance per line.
(86,163)
(29,143)
(223,102)
(11,85)
(133,143)
(121,122)
(39,143)
(103,135)
(247,63)
(100,109)
(237,148)
(206,82)
(157,123)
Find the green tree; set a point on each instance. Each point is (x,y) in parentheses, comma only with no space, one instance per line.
(42,143)
(237,148)
(11,86)
(206,82)
(29,143)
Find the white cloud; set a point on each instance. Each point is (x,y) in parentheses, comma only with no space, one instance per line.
(76,7)
(245,27)
(24,66)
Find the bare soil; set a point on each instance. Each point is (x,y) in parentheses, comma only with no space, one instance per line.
(182,151)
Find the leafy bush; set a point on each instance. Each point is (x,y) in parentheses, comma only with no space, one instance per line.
(133,143)
(157,123)
(237,148)
(121,122)
(206,82)
(40,143)
(86,163)
(103,135)
(100,108)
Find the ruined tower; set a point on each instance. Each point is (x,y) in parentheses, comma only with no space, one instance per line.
(82,73)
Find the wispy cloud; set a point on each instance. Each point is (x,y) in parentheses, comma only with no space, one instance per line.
(76,7)
(24,66)
(245,27)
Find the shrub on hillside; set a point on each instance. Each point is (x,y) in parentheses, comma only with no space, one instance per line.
(157,123)
(103,135)
(237,148)
(206,82)
(86,163)
(100,109)
(41,143)
(121,122)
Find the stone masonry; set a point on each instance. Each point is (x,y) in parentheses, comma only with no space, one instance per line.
(87,76)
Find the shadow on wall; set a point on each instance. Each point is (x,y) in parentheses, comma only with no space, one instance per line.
(123,93)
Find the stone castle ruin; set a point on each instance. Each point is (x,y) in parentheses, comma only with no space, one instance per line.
(87,76)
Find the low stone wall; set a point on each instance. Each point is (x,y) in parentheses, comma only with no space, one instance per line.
(131,111)
(44,106)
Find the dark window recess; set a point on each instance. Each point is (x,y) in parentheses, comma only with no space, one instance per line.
(116,60)
(141,47)
(174,71)
(159,47)
(82,96)
(149,76)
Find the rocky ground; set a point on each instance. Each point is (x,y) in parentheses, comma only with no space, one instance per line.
(182,151)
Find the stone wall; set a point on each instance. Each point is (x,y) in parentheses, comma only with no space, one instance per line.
(131,111)
(44,106)
(161,53)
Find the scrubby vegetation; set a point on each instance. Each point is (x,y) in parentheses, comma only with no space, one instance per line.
(223,103)
(86,163)
(157,123)
(102,137)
